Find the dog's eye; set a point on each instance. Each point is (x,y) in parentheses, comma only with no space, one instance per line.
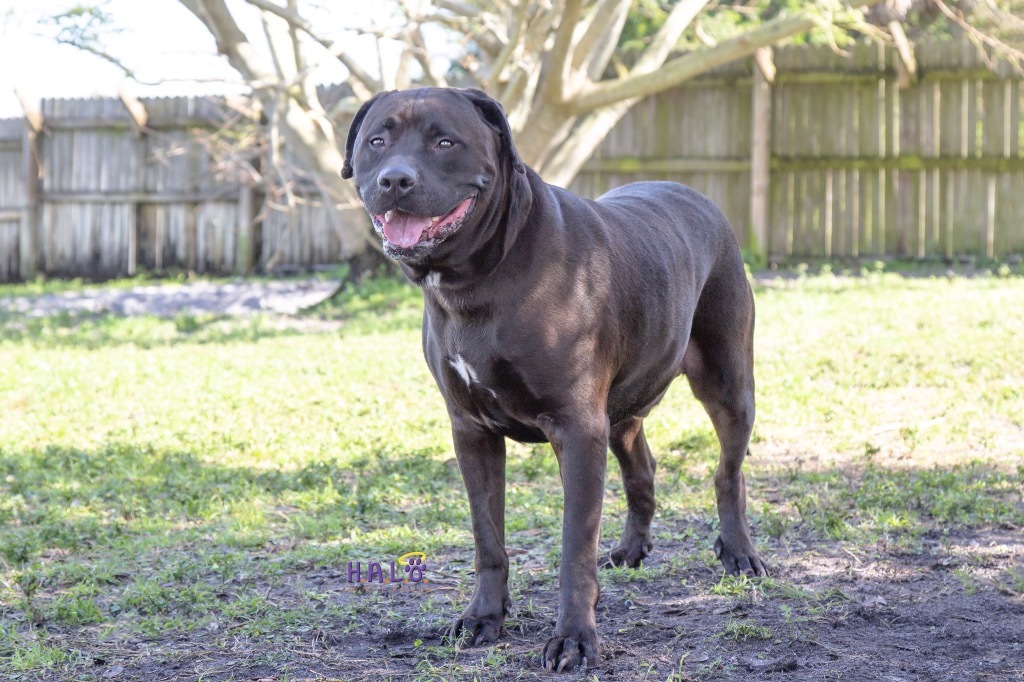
(377,142)
(445,144)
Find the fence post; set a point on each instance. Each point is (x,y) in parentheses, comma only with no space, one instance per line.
(140,121)
(246,203)
(28,237)
(760,153)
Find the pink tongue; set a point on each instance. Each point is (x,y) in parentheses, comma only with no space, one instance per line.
(404,229)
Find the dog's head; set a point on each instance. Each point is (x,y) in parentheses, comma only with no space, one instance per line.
(425,161)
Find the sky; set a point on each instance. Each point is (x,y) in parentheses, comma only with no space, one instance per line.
(158,39)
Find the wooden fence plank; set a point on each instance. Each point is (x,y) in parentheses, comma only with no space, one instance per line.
(9,250)
(1010,216)
(1015,148)
(760,162)
(28,182)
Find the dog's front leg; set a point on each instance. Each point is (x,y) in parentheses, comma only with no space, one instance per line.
(581,446)
(481,458)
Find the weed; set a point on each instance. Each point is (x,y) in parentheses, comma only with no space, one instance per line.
(735,586)
(772,523)
(966,577)
(742,630)
(75,609)
(1012,582)
(37,656)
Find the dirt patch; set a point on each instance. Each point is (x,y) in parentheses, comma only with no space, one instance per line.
(286,297)
(834,616)
(830,611)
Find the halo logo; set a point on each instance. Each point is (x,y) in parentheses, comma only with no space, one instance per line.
(408,569)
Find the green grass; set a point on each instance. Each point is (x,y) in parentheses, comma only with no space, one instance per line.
(743,630)
(43,286)
(161,477)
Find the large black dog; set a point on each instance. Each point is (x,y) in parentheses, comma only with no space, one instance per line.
(553,318)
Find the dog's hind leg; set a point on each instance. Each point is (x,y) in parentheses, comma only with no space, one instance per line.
(719,366)
(629,445)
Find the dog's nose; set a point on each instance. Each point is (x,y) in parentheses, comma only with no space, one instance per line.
(399,178)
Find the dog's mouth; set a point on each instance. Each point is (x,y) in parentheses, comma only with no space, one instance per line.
(406,230)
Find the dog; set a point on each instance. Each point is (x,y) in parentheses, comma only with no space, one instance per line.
(553,318)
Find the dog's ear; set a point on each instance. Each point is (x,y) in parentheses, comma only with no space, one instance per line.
(353,132)
(494,115)
(520,196)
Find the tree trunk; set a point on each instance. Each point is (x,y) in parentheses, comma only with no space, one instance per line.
(565,162)
(545,129)
(309,135)
(307,131)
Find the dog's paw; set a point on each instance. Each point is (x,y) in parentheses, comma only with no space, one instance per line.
(565,653)
(740,561)
(627,555)
(469,630)
(634,546)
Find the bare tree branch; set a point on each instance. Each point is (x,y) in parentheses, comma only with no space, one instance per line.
(980,39)
(513,48)
(295,19)
(667,37)
(520,91)
(473,20)
(569,157)
(301,67)
(908,69)
(231,41)
(403,76)
(683,68)
(560,57)
(274,43)
(85,27)
(388,79)
(416,46)
(600,31)
(431,75)
(284,184)
(98,52)
(299,119)
(703,36)
(461,8)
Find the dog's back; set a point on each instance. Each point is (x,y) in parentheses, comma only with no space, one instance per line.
(658,210)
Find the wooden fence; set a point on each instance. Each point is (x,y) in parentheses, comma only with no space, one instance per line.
(88,193)
(813,154)
(853,164)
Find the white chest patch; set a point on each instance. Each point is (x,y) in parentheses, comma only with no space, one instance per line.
(463,369)
(433,279)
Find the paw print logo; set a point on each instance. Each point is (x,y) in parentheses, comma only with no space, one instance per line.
(416,566)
